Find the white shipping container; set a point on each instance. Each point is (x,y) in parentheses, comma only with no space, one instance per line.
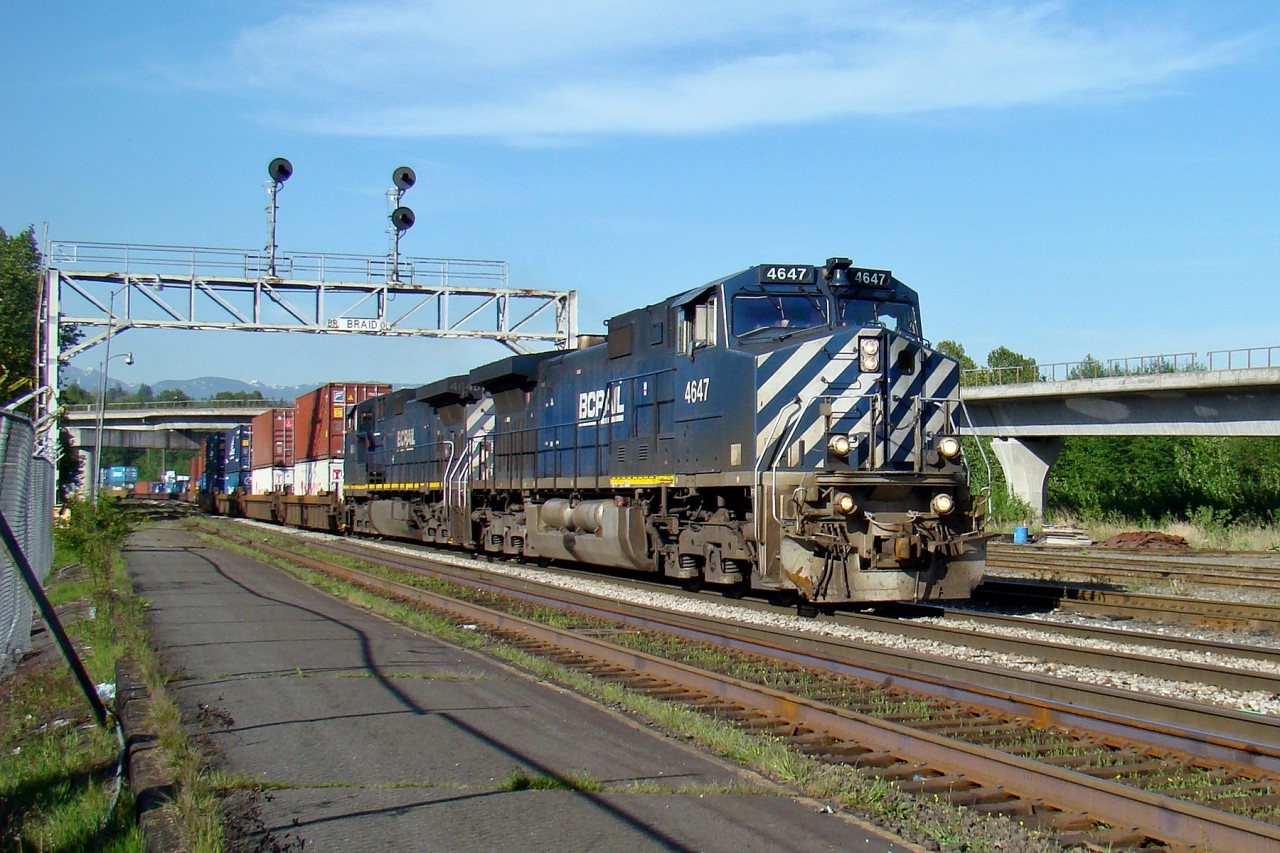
(316,476)
(270,479)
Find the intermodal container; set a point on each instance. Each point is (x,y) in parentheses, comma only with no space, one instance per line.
(239,448)
(273,478)
(196,471)
(272,444)
(317,476)
(320,418)
(120,476)
(215,463)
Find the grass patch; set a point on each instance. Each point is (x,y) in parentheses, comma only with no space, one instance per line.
(57,766)
(1206,532)
(105,621)
(522,780)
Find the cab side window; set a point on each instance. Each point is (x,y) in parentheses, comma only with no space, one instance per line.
(698,324)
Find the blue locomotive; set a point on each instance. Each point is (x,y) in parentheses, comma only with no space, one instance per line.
(786,428)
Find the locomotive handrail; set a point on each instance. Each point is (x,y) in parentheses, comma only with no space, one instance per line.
(383,455)
(982,451)
(455,466)
(794,421)
(761,529)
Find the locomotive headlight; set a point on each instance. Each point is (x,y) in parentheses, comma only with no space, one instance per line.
(869,350)
(843,503)
(839,445)
(943,503)
(949,447)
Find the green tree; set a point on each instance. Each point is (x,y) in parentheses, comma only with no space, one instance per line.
(173,395)
(19,291)
(1088,368)
(74,395)
(1009,366)
(238,395)
(94,534)
(969,372)
(955,349)
(69,463)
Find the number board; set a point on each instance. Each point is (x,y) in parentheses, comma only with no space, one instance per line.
(869,278)
(785,274)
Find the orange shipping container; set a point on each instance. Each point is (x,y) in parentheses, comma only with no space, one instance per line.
(272,445)
(196,469)
(319,422)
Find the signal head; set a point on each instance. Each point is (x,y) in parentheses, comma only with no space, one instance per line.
(403,177)
(280,170)
(402,218)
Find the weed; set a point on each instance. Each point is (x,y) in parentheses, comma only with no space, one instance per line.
(522,780)
(57,767)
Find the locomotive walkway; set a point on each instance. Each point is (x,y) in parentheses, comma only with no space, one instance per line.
(370,736)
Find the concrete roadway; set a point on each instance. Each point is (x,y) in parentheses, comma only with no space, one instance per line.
(369,736)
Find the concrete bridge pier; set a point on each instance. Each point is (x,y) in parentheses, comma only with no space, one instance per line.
(1026,463)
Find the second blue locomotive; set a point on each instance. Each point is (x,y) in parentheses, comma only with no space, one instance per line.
(786,428)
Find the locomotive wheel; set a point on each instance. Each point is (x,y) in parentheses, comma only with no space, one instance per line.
(783,597)
(737,589)
(692,584)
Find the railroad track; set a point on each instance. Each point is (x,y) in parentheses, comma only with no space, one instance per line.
(1259,570)
(1222,665)
(932,734)
(1114,604)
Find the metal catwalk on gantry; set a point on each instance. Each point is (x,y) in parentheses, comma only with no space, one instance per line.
(103,289)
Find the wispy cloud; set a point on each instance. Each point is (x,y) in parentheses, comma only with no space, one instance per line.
(557,68)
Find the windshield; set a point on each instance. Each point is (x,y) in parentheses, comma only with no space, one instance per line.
(758,311)
(897,316)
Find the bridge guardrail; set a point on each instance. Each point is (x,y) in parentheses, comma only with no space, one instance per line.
(1142,365)
(1229,359)
(183,404)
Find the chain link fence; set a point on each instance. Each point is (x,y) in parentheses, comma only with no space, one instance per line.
(26,501)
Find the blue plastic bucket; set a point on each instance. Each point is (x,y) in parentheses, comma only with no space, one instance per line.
(1019,536)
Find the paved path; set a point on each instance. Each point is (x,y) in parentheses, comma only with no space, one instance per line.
(370,736)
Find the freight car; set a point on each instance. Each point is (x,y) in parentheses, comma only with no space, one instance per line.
(785,429)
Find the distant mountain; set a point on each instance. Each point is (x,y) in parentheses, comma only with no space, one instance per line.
(201,388)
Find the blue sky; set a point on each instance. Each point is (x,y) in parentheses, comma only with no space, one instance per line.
(1060,178)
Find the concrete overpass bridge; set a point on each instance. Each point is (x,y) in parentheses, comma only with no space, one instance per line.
(167,425)
(1027,421)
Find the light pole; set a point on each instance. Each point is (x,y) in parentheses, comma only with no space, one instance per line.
(102,391)
(102,411)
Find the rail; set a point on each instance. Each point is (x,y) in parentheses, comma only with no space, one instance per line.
(1140,365)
